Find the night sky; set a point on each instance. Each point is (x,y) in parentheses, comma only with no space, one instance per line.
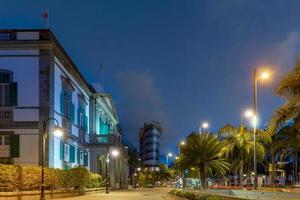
(176,62)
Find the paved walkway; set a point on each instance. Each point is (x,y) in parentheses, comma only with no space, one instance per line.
(133,194)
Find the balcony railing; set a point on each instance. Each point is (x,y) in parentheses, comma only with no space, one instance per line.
(105,139)
(67,125)
(6,115)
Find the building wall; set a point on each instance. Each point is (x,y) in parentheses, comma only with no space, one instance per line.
(41,74)
(25,67)
(59,72)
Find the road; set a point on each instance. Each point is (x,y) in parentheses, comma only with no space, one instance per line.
(133,194)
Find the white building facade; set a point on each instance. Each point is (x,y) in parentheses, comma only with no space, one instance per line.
(106,137)
(39,81)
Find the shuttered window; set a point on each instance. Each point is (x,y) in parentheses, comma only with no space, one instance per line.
(72,154)
(14,146)
(62,150)
(8,89)
(82,119)
(66,105)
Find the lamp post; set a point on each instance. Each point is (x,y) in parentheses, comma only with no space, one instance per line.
(204,125)
(58,133)
(114,153)
(262,76)
(168,155)
(182,143)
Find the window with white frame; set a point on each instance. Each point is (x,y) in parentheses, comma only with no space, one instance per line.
(4,140)
(4,146)
(81,158)
(67,153)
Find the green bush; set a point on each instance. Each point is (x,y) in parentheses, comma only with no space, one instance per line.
(13,177)
(9,177)
(195,196)
(95,181)
(30,177)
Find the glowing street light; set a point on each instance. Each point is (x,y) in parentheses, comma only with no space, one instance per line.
(182,143)
(168,155)
(58,132)
(248,113)
(258,74)
(115,153)
(204,125)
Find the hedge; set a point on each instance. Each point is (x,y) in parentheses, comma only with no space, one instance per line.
(194,196)
(24,178)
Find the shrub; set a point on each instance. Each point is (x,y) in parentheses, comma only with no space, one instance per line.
(79,177)
(13,177)
(197,196)
(9,177)
(95,181)
(30,177)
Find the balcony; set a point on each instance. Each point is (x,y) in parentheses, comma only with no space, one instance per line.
(105,139)
(67,125)
(6,115)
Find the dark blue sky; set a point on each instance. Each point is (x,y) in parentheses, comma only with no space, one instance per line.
(177,62)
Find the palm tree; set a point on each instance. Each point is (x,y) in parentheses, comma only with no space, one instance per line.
(289,88)
(285,122)
(285,142)
(238,147)
(202,151)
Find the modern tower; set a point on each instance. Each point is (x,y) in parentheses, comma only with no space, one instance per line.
(149,145)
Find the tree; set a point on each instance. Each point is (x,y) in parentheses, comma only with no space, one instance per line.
(286,142)
(237,147)
(285,122)
(289,88)
(203,152)
(163,174)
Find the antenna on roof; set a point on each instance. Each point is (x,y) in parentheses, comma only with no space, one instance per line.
(102,76)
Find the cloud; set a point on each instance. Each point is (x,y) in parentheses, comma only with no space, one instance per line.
(286,51)
(139,102)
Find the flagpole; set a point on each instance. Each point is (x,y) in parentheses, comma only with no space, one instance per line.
(102,76)
(47,20)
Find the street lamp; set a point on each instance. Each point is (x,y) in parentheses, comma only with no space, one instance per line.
(114,153)
(58,132)
(168,155)
(182,143)
(204,125)
(248,113)
(258,74)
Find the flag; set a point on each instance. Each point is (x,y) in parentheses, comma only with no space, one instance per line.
(45,16)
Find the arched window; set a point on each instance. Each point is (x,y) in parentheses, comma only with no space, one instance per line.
(8,89)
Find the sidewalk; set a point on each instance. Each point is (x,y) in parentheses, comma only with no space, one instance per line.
(133,194)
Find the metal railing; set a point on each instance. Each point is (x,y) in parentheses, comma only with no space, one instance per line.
(6,115)
(109,139)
